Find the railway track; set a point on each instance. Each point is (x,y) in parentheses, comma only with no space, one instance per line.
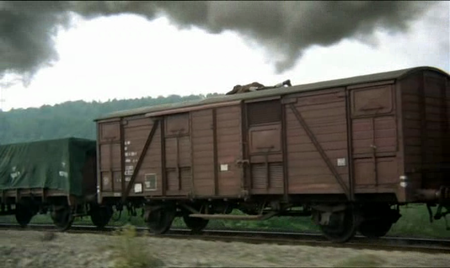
(282,238)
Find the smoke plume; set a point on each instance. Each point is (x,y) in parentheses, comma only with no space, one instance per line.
(286,28)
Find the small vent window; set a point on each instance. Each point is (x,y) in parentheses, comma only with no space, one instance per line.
(264,112)
(150,182)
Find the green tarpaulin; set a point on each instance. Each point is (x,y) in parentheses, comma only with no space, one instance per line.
(52,164)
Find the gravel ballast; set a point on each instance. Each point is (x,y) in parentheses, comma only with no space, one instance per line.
(40,249)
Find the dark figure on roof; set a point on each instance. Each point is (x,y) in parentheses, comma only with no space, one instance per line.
(255,86)
(246,88)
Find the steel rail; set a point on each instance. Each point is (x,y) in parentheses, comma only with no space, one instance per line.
(426,245)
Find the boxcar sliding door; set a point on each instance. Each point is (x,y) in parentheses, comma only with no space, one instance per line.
(264,171)
(177,153)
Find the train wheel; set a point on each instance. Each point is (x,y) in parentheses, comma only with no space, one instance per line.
(195,224)
(160,220)
(377,220)
(342,227)
(100,216)
(23,215)
(375,228)
(62,217)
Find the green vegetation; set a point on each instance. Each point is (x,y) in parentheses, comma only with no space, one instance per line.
(70,119)
(131,251)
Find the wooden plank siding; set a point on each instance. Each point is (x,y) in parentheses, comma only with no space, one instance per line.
(203,152)
(229,150)
(325,115)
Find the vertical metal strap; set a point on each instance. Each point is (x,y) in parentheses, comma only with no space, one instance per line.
(177,168)
(111,172)
(374,152)
(321,151)
(349,122)
(215,155)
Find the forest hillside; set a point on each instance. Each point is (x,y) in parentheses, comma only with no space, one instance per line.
(70,119)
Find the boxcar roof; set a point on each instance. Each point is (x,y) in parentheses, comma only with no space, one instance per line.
(398,74)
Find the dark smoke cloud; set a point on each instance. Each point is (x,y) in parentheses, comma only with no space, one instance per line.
(287,28)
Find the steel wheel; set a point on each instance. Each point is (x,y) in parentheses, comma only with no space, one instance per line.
(377,220)
(343,226)
(160,220)
(23,215)
(100,216)
(375,228)
(195,224)
(62,217)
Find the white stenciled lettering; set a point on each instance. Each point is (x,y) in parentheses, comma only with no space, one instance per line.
(130,153)
(128,160)
(64,174)
(129,167)
(14,175)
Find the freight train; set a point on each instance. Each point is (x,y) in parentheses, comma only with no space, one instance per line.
(348,153)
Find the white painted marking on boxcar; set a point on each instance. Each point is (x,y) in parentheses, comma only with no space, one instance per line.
(129,167)
(341,162)
(138,187)
(224,167)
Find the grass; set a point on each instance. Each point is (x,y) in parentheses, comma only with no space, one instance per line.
(414,222)
(130,252)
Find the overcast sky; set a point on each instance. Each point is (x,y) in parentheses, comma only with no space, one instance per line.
(128,56)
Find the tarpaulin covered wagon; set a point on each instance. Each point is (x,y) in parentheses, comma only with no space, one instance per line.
(56,175)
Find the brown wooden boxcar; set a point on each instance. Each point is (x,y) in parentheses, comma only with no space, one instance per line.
(346,151)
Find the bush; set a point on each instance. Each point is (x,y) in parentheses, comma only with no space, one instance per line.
(130,252)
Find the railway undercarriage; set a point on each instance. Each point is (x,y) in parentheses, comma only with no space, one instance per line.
(61,209)
(338,222)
